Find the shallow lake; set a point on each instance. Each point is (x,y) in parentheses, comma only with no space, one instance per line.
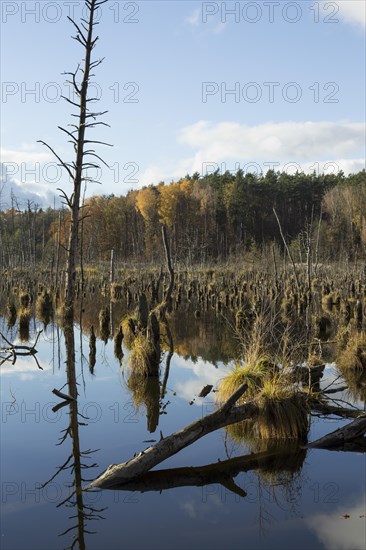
(313,499)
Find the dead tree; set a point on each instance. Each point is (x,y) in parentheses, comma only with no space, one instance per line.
(87,119)
(134,470)
(152,456)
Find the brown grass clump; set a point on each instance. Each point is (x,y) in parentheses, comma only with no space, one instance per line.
(252,374)
(64,315)
(104,324)
(356,382)
(141,352)
(330,300)
(282,416)
(118,339)
(25,300)
(129,329)
(353,355)
(23,324)
(283,411)
(11,314)
(44,307)
(146,391)
(116,292)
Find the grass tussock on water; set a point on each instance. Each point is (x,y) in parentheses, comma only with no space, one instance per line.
(140,354)
(129,329)
(24,317)
(283,411)
(352,355)
(251,374)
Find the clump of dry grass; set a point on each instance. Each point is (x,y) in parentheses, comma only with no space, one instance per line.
(116,291)
(23,324)
(356,382)
(44,307)
(146,391)
(140,355)
(64,315)
(287,307)
(283,411)
(11,314)
(118,339)
(353,354)
(24,299)
(245,432)
(104,324)
(342,337)
(282,416)
(252,374)
(330,300)
(129,329)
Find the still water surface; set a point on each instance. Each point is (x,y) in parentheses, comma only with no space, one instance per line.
(316,501)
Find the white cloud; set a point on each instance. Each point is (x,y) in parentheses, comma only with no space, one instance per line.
(26,156)
(24,368)
(280,141)
(194,19)
(208,27)
(320,146)
(190,508)
(352,11)
(197,375)
(29,174)
(341,533)
(219,28)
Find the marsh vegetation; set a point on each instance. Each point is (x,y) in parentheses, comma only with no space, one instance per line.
(242,294)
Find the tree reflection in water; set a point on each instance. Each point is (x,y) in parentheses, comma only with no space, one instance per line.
(147,390)
(77,460)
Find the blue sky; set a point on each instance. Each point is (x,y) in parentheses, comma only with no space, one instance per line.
(189,86)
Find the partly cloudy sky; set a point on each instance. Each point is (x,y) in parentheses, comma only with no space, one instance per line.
(189,86)
(332,531)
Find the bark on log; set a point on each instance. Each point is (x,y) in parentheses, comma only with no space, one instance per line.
(150,457)
(121,474)
(343,435)
(220,472)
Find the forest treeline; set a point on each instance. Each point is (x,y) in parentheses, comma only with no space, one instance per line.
(214,218)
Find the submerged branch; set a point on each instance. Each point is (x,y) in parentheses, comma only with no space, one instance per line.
(150,457)
(222,472)
(342,436)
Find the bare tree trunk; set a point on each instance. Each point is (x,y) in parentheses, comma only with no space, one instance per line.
(317,242)
(58,250)
(76,169)
(169,264)
(111,271)
(80,143)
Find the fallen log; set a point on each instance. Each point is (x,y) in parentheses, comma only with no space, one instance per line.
(121,474)
(221,472)
(342,436)
(153,455)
